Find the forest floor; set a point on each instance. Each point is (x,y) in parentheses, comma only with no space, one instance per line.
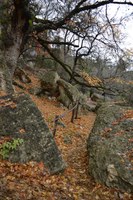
(32,181)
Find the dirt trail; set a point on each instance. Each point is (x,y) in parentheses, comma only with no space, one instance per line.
(32,181)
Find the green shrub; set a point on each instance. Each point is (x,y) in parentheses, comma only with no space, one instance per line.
(7,147)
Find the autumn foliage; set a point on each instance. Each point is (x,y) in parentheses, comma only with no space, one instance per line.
(32,180)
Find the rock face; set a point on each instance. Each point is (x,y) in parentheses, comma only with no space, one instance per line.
(110,147)
(20,118)
(49,82)
(68,94)
(123,86)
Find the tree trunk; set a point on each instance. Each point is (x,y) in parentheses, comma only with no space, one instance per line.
(13,35)
(5,77)
(9,59)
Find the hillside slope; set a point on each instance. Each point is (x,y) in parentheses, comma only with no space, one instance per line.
(32,180)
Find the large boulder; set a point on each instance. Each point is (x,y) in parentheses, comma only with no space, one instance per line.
(123,86)
(68,94)
(20,118)
(49,82)
(110,147)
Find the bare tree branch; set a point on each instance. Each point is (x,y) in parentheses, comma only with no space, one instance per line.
(60,43)
(47,24)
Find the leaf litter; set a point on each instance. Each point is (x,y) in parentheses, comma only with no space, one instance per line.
(32,181)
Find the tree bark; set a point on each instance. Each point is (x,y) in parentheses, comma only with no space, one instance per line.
(8,65)
(12,43)
(5,76)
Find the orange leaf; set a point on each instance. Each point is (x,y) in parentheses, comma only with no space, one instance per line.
(41,166)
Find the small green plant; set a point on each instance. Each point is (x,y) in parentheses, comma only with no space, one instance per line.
(7,147)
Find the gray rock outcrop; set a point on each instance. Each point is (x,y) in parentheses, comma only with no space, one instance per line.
(20,118)
(68,94)
(49,82)
(110,147)
(123,86)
